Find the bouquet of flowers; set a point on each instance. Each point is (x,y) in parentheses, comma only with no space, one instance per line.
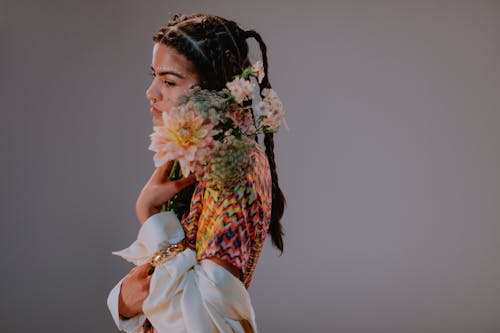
(210,133)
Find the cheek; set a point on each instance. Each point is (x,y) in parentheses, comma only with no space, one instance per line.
(175,93)
(167,101)
(170,96)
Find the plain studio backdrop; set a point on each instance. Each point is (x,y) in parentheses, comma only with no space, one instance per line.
(390,168)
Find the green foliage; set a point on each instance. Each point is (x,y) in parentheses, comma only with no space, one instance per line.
(180,202)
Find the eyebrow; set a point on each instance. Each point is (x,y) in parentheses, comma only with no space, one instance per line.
(172,72)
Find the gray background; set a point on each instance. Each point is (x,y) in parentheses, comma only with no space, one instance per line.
(390,169)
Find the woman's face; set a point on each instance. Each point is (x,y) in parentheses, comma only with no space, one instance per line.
(172,77)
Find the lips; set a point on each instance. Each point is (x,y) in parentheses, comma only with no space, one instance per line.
(155,111)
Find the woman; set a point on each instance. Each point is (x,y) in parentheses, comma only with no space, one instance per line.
(224,233)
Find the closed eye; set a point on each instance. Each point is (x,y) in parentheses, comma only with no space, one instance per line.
(168,83)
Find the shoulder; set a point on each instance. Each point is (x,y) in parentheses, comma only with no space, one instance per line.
(257,184)
(256,189)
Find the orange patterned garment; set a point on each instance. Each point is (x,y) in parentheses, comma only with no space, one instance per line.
(232,226)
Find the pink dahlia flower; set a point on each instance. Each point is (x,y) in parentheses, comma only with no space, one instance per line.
(185,136)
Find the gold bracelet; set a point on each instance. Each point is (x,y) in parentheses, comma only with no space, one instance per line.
(167,251)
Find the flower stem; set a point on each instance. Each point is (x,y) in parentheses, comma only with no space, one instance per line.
(171,176)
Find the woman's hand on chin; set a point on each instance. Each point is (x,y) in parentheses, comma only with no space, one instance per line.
(159,190)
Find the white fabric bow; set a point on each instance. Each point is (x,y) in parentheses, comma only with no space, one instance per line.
(184,295)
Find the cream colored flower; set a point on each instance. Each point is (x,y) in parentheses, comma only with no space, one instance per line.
(258,68)
(271,110)
(185,136)
(241,89)
(263,107)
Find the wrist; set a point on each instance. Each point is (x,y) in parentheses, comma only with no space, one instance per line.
(143,213)
(142,216)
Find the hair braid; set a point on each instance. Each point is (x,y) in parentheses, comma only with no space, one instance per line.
(263,49)
(279,201)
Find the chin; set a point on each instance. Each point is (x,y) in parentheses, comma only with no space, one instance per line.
(157,122)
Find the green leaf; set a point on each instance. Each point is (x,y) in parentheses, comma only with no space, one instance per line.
(247,72)
(237,133)
(180,202)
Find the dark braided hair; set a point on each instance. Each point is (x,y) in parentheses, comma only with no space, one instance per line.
(218,50)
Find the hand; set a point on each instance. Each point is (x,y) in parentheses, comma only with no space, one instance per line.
(134,290)
(158,190)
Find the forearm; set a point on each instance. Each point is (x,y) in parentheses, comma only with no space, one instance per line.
(143,212)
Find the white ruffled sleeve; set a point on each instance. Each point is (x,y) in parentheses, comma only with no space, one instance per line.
(157,230)
(184,295)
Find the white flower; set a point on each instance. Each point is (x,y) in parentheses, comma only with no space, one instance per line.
(258,68)
(271,109)
(272,97)
(241,89)
(263,107)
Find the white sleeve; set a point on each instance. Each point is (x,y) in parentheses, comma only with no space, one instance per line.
(184,295)
(158,228)
(129,325)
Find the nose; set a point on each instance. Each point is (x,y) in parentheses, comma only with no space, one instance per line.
(151,94)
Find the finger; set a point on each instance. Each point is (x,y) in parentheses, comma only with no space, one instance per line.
(145,288)
(135,271)
(146,283)
(143,269)
(184,182)
(162,172)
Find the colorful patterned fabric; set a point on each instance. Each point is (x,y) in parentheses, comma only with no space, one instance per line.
(232,226)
